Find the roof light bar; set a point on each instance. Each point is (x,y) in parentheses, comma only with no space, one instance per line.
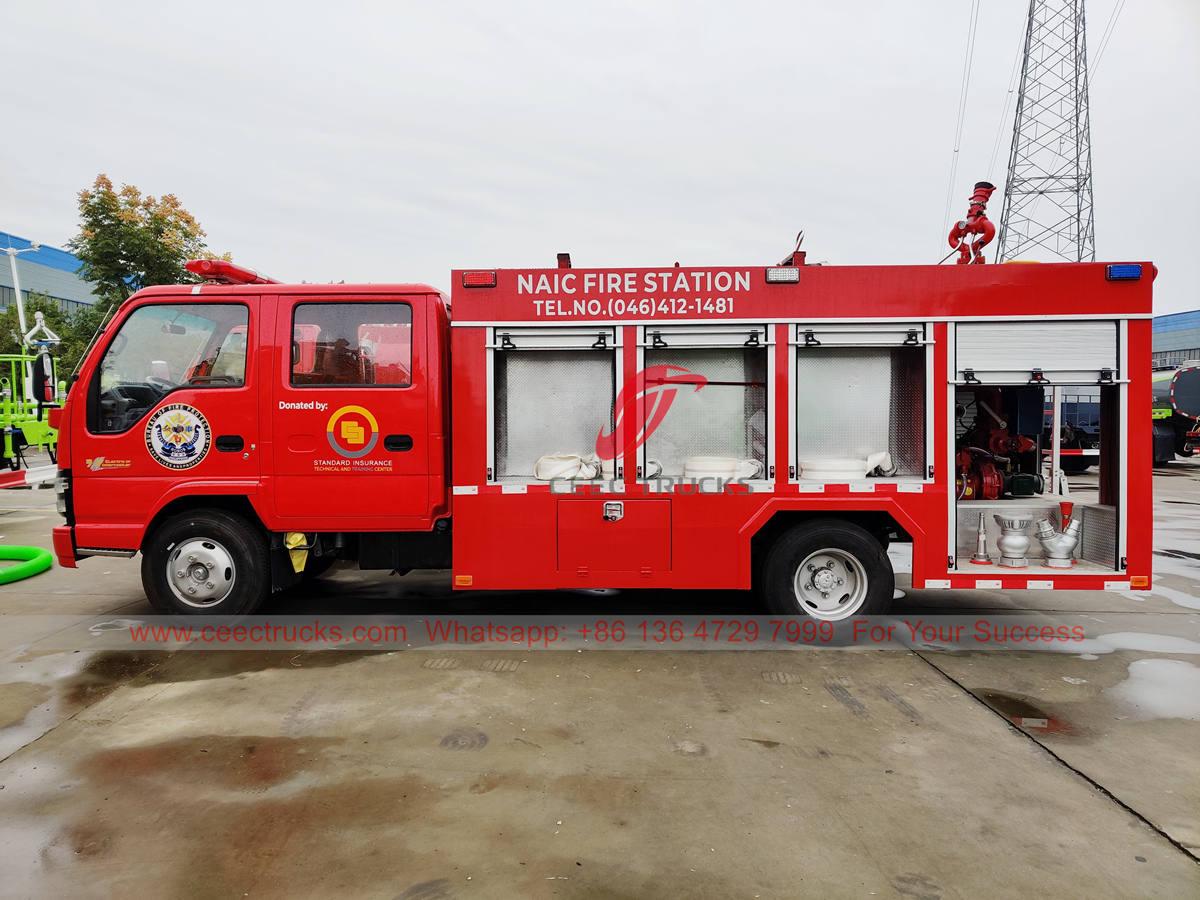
(1123,272)
(224,272)
(482,278)
(783,275)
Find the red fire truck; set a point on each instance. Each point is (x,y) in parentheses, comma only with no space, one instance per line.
(771,427)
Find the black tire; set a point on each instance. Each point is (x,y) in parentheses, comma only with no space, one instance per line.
(798,544)
(218,537)
(1074,468)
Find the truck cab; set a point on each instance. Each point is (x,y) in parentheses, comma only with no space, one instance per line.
(203,412)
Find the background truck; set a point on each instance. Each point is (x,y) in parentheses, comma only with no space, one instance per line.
(747,426)
(1176,412)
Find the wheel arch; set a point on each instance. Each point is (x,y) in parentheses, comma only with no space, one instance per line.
(880,522)
(238,504)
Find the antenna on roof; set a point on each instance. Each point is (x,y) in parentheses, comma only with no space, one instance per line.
(796,257)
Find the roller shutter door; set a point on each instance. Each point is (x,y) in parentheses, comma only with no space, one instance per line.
(1009,352)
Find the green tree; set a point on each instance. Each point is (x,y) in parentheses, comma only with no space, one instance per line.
(128,240)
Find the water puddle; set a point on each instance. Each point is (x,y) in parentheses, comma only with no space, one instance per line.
(1090,648)
(1024,713)
(1159,689)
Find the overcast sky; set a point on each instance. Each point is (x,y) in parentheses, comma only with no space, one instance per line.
(394,141)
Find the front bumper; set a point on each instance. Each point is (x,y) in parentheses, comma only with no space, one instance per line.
(64,546)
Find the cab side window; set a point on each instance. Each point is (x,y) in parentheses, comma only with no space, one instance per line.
(352,345)
(163,348)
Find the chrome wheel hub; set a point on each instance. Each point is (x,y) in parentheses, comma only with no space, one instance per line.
(200,572)
(830,584)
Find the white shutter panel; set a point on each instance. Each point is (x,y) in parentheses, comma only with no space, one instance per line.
(681,336)
(1009,352)
(599,338)
(868,334)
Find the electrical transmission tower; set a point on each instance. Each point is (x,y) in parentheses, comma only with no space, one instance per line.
(1048,195)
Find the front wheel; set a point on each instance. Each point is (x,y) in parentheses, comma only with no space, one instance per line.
(206,562)
(828,570)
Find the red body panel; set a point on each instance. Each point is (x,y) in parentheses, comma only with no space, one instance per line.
(1019,291)
(1140,470)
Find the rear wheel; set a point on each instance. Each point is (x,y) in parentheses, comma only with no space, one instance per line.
(206,562)
(828,570)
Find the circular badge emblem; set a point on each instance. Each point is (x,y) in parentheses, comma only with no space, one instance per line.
(177,436)
(352,432)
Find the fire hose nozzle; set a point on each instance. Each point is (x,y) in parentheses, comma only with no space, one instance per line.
(970,235)
(1058,545)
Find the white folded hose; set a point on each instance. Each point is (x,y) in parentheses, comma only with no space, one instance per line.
(568,466)
(847,469)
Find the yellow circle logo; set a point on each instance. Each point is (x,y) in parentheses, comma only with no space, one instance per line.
(352,432)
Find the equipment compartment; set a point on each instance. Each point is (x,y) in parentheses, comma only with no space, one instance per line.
(614,536)
(1014,445)
(705,402)
(554,394)
(860,393)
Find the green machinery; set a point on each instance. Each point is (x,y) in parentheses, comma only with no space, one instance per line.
(28,386)
(23,420)
(28,389)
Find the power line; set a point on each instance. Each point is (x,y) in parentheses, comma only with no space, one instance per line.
(964,89)
(1109,28)
(1004,127)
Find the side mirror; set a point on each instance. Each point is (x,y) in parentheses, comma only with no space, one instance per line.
(43,379)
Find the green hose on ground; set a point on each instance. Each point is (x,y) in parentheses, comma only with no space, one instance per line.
(30,561)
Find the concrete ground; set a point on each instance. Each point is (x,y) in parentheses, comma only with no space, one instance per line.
(444,773)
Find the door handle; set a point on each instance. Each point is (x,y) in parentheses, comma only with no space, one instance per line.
(398,443)
(230,443)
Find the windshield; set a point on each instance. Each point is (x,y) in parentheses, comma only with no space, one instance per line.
(163,347)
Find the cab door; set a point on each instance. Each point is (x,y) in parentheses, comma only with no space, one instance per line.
(172,407)
(350,413)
